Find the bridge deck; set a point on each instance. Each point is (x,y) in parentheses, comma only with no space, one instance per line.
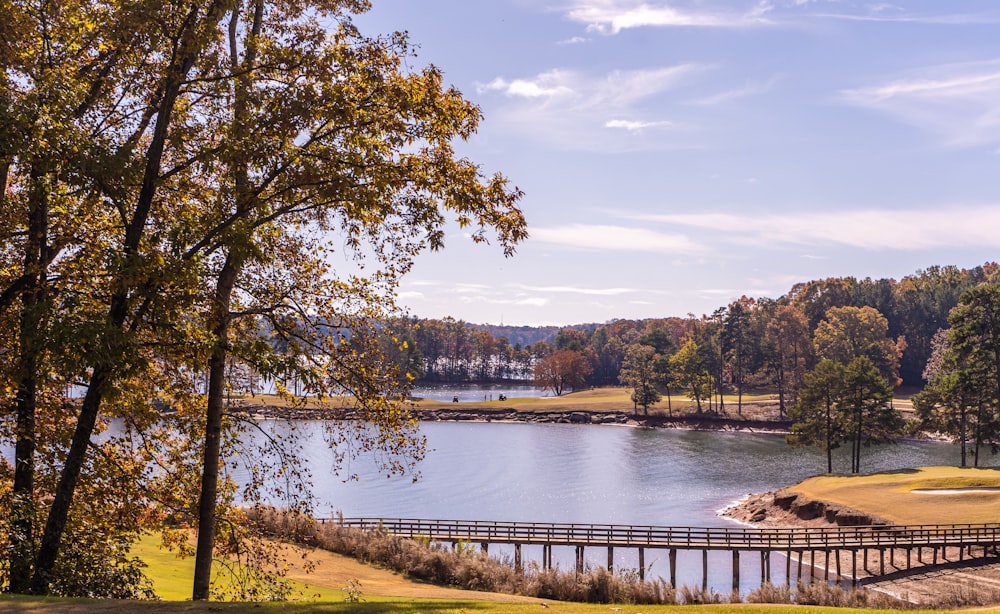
(685,538)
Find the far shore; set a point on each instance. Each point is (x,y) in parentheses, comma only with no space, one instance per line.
(758,413)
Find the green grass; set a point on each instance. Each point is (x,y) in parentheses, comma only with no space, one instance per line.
(36,605)
(173,576)
(890,495)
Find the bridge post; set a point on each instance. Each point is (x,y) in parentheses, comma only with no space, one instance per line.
(765,563)
(826,565)
(881,561)
(865,560)
(935,555)
(704,570)
(611,560)
(672,555)
(642,564)
(854,568)
(736,570)
(517,558)
(788,568)
(579,559)
(836,555)
(798,559)
(908,551)
(485,546)
(812,566)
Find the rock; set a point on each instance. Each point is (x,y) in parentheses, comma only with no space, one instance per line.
(785,500)
(809,510)
(579,418)
(759,516)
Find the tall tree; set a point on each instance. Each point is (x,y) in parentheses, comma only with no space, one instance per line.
(847,333)
(639,373)
(816,417)
(866,405)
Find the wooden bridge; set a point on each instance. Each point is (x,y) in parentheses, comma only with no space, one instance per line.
(955,540)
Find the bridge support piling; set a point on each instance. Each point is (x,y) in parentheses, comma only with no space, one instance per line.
(908,551)
(642,564)
(736,570)
(836,556)
(854,568)
(765,566)
(812,566)
(611,560)
(864,561)
(672,555)
(579,559)
(881,561)
(920,554)
(517,558)
(935,555)
(485,547)
(704,570)
(826,565)
(798,560)
(788,568)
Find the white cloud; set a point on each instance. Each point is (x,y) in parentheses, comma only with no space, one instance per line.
(871,229)
(636,126)
(958,102)
(614,16)
(750,89)
(576,290)
(545,85)
(618,238)
(574,109)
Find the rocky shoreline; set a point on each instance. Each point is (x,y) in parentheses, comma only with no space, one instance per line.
(708,422)
(782,508)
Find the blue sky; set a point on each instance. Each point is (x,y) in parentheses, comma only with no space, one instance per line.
(678,154)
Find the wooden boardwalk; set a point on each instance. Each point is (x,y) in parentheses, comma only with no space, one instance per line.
(795,543)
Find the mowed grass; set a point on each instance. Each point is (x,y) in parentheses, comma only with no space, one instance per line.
(891,495)
(27,605)
(607,399)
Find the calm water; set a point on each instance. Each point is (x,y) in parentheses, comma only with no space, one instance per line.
(592,474)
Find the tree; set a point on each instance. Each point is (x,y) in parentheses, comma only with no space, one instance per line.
(816,417)
(229,148)
(866,406)
(561,370)
(846,333)
(639,373)
(970,367)
(788,348)
(690,372)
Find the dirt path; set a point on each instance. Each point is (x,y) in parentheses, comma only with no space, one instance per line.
(334,571)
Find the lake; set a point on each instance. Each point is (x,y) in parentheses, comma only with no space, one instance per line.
(592,474)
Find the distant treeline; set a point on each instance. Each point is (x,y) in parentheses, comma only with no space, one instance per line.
(746,342)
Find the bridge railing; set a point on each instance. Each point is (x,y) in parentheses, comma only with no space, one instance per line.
(692,538)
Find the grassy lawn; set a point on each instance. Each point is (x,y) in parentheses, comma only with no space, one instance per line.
(891,495)
(414,606)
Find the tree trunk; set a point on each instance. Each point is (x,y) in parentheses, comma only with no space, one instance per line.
(213,432)
(33,302)
(102,373)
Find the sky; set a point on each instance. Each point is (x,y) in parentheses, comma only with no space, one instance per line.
(678,154)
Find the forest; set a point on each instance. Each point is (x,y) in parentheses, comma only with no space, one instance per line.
(751,343)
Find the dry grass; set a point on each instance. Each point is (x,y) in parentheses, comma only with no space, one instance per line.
(890,495)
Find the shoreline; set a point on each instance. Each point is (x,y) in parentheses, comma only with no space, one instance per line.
(923,584)
(706,421)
